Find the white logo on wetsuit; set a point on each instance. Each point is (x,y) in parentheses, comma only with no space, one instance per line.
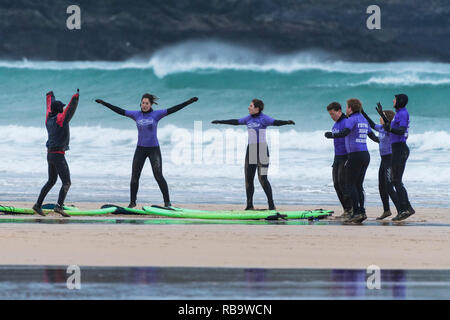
(145,122)
(253,125)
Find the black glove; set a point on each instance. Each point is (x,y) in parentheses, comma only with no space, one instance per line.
(215,122)
(194,99)
(78,90)
(379,107)
(329,135)
(291,122)
(387,127)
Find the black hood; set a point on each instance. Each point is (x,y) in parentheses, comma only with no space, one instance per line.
(401,101)
(57,107)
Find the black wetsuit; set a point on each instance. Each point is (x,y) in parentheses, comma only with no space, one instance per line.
(256,125)
(57,124)
(400,153)
(150,148)
(154,155)
(340,181)
(356,126)
(262,166)
(385,181)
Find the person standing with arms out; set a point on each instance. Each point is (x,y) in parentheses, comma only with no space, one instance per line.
(340,157)
(385,185)
(57,124)
(355,131)
(400,152)
(147,146)
(257,155)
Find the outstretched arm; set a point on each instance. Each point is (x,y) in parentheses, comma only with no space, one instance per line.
(399,131)
(110,106)
(341,134)
(234,122)
(181,105)
(278,123)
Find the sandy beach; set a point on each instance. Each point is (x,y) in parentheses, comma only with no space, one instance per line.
(421,242)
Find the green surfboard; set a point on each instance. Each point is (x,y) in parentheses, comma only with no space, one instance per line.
(236,215)
(70,212)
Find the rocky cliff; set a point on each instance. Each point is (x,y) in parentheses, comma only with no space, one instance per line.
(118,29)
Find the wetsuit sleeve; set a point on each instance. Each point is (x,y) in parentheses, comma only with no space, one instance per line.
(234,122)
(378,127)
(371,123)
(180,106)
(113,108)
(278,123)
(401,124)
(373,137)
(342,133)
(399,131)
(64,117)
(50,97)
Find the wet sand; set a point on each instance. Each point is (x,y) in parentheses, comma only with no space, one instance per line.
(394,246)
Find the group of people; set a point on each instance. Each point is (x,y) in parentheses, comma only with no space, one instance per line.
(349,167)
(58,116)
(352,158)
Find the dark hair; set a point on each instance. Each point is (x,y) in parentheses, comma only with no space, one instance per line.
(354,104)
(258,104)
(151,97)
(336,106)
(389,114)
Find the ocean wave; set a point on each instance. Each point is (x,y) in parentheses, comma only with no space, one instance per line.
(302,158)
(194,56)
(94,137)
(406,80)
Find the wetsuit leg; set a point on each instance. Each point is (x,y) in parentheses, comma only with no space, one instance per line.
(365,160)
(400,153)
(138,163)
(250,171)
(339,181)
(154,154)
(385,184)
(265,184)
(355,171)
(64,174)
(52,178)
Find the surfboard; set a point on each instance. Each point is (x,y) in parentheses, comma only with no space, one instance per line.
(175,212)
(70,212)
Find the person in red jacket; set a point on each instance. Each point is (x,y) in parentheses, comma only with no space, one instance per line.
(57,123)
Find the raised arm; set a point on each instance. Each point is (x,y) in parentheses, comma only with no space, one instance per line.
(110,106)
(234,122)
(69,111)
(181,105)
(373,137)
(371,123)
(50,97)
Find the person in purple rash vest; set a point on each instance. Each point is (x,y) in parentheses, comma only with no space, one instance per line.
(340,157)
(385,184)
(257,155)
(355,132)
(147,146)
(398,128)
